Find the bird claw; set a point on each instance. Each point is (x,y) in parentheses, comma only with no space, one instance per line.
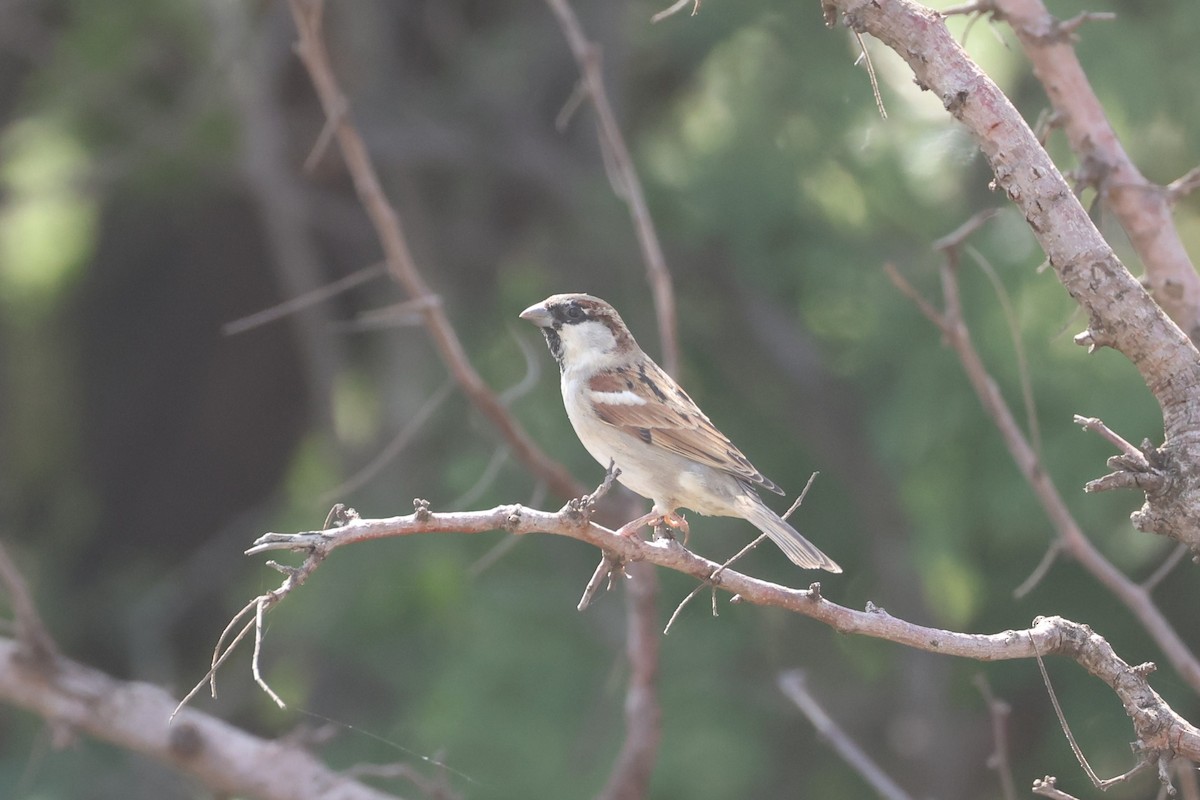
(679,523)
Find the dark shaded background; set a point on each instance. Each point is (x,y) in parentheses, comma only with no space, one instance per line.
(151,191)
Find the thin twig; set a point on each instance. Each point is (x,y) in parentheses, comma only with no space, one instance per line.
(485,480)
(1062,719)
(866,59)
(1014,332)
(974,7)
(37,646)
(613,143)
(606,571)
(1113,438)
(1097,781)
(794,686)
(1164,569)
(260,609)
(311,298)
(388,454)
(675,8)
(1041,570)
(1184,185)
(491,557)
(1137,600)
(711,583)
(998,712)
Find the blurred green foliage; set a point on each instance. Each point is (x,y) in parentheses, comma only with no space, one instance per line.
(140,451)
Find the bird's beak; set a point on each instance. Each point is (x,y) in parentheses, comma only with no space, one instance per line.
(539,315)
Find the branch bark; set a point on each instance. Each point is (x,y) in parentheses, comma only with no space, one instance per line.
(133,715)
(401,264)
(587,55)
(1142,208)
(1134,597)
(1120,313)
(1159,730)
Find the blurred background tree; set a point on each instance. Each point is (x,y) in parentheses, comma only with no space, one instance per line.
(151,165)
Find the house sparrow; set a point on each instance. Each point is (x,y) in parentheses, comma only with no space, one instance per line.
(628,412)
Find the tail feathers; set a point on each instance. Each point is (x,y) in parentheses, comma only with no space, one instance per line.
(801,551)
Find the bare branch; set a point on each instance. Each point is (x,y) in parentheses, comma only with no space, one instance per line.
(1156,725)
(1183,185)
(401,265)
(1143,212)
(998,712)
(37,647)
(306,300)
(675,8)
(632,768)
(133,715)
(795,685)
(587,55)
(1165,568)
(1121,314)
(865,57)
(607,571)
(1041,570)
(1098,426)
(1048,787)
(393,448)
(1134,597)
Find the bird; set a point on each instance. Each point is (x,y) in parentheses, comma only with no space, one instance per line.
(630,414)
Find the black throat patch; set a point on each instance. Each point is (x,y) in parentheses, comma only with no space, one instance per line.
(554,341)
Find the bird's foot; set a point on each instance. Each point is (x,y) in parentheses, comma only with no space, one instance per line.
(662,524)
(673,521)
(632,527)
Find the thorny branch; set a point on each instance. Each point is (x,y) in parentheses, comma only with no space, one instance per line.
(1121,314)
(1159,730)
(1142,208)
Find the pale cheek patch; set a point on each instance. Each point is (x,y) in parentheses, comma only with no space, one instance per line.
(621,398)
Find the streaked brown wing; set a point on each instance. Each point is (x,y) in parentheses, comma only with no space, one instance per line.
(670,419)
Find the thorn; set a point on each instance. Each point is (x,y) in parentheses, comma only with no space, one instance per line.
(421,508)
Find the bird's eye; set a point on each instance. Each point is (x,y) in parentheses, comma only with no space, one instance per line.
(574,311)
